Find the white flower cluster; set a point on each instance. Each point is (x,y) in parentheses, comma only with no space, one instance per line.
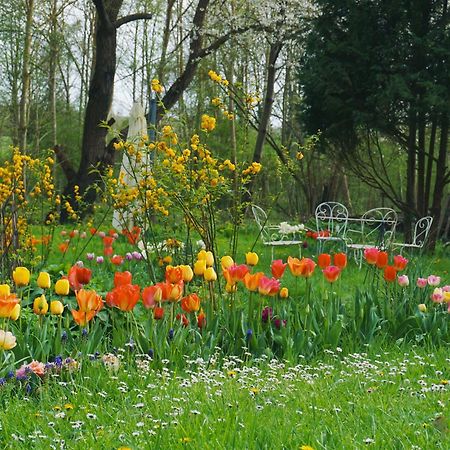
(286,228)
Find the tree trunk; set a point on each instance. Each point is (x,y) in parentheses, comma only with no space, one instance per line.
(421,164)
(53,56)
(430,162)
(410,172)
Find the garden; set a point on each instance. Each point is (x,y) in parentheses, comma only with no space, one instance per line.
(197,281)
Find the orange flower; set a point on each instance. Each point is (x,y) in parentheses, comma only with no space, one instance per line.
(284,292)
(340,260)
(122,278)
(201,320)
(108,241)
(79,276)
(133,235)
(324,260)
(174,291)
(89,301)
(152,295)
(371,255)
(235,273)
(108,251)
(117,260)
(63,246)
(251,281)
(331,273)
(190,303)
(7,304)
(125,296)
(174,274)
(390,274)
(400,262)
(301,267)
(183,319)
(82,318)
(278,268)
(158,313)
(382,260)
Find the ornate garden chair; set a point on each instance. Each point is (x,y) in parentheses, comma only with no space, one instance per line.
(420,235)
(331,223)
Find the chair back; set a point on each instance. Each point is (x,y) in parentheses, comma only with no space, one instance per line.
(422,230)
(378,227)
(261,219)
(332,216)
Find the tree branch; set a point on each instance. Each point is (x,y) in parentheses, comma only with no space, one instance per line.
(131,18)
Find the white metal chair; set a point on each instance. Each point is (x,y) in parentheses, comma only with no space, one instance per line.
(331,223)
(377,230)
(421,231)
(270,234)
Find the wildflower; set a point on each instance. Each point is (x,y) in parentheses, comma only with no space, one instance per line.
(208,123)
(56,307)
(301,267)
(21,276)
(278,268)
(400,262)
(7,340)
(403,280)
(324,260)
(156,86)
(43,280)
(331,273)
(371,255)
(251,258)
(433,280)
(190,303)
(340,260)
(40,305)
(390,274)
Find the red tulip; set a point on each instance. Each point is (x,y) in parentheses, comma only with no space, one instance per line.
(79,276)
(340,260)
(235,273)
(122,278)
(108,241)
(331,273)
(371,255)
(323,260)
(158,313)
(400,262)
(382,260)
(390,274)
(201,320)
(152,295)
(278,268)
(125,296)
(117,260)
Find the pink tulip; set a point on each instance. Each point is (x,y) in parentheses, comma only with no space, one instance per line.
(437,296)
(422,282)
(446,288)
(433,280)
(403,280)
(268,286)
(331,273)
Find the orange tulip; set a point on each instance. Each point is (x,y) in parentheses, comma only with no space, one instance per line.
(340,260)
(382,260)
(251,281)
(7,304)
(174,291)
(324,260)
(125,296)
(151,296)
(331,273)
(174,274)
(235,273)
(390,274)
(82,318)
(400,262)
(268,286)
(190,303)
(301,267)
(89,301)
(121,278)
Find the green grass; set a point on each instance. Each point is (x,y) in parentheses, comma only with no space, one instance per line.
(384,401)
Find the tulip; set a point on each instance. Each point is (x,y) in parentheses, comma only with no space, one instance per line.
(7,340)
(382,260)
(173,291)
(323,260)
(187,273)
(99,260)
(403,280)
(56,308)
(251,258)
(190,303)
(422,282)
(301,267)
(90,256)
(5,290)
(278,267)
(200,267)
(438,295)
(43,280)
(230,288)
(78,277)
(340,260)
(201,320)
(251,281)
(209,259)
(210,274)
(158,313)
(284,292)
(7,305)
(108,241)
(433,280)
(371,255)
(62,287)
(422,308)
(125,296)
(82,317)
(174,274)
(151,295)
(121,278)
(266,314)
(226,262)
(108,251)
(235,273)
(331,273)
(268,286)
(201,255)
(15,313)
(400,263)
(117,260)
(89,301)
(40,305)
(390,274)
(21,276)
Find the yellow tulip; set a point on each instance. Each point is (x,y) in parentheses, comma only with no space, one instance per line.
(230,288)
(7,340)
(284,292)
(187,272)
(21,276)
(209,259)
(251,258)
(200,267)
(43,280)
(423,308)
(226,261)
(202,254)
(62,287)
(5,290)
(15,313)
(40,305)
(56,307)
(210,274)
